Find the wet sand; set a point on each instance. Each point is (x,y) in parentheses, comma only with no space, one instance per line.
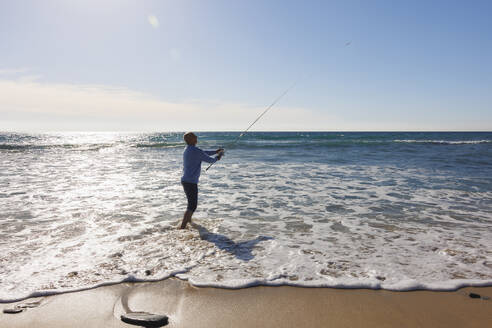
(188,306)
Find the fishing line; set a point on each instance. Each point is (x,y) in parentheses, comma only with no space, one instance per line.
(348,43)
(258,118)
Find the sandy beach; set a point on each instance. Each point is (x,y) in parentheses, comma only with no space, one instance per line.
(188,306)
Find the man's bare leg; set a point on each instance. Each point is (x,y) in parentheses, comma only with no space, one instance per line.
(186,219)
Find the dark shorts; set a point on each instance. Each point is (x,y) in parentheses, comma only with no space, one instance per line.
(191,191)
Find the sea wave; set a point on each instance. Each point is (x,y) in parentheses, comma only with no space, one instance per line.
(160,145)
(22,147)
(444,142)
(256,143)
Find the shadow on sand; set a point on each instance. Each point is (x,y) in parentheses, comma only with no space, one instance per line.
(242,250)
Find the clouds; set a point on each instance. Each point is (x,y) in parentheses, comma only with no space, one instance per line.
(153,21)
(12,71)
(31,105)
(28,104)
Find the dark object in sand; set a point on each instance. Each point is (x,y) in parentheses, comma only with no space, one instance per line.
(473,295)
(148,272)
(145,319)
(13,310)
(18,308)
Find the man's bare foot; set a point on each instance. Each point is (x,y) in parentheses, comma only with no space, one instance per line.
(186,219)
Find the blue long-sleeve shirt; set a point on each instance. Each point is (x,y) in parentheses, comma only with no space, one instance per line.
(192,162)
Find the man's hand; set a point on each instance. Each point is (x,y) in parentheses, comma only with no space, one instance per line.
(221,153)
(220,150)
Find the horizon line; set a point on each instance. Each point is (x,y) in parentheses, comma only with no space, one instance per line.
(240,131)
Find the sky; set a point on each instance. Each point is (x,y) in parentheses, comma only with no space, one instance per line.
(215,65)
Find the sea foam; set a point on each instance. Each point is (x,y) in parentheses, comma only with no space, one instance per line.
(404,218)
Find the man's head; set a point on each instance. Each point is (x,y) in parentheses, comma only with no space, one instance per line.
(190,138)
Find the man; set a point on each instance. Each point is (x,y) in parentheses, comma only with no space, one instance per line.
(192,165)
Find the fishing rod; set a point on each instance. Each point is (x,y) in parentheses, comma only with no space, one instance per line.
(258,118)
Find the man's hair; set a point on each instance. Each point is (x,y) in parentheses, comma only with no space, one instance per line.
(187,137)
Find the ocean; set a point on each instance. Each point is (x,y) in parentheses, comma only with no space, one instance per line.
(381,210)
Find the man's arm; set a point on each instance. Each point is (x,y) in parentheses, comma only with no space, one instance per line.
(205,158)
(213,152)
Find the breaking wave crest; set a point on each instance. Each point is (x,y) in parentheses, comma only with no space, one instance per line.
(444,142)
